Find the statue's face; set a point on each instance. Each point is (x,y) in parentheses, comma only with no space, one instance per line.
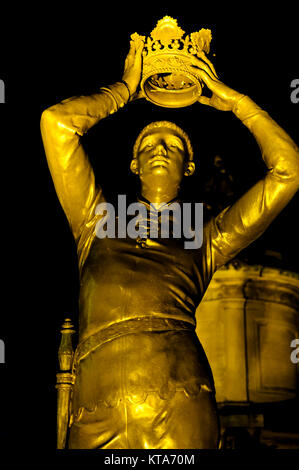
(161,154)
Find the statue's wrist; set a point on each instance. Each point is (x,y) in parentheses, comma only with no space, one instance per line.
(119,93)
(128,89)
(245,108)
(238,104)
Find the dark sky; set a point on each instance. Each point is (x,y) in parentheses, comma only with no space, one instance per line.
(54,55)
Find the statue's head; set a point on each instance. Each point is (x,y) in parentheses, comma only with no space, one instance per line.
(162,151)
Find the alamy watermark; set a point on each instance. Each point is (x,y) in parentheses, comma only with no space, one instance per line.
(295,92)
(2,91)
(295,354)
(2,352)
(162,220)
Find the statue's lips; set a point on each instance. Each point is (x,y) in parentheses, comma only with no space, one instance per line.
(159,160)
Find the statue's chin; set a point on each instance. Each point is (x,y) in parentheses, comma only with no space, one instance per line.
(158,170)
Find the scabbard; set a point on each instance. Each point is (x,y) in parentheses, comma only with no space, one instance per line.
(64,383)
(64,389)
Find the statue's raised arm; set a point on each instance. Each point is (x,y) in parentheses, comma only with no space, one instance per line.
(62,127)
(237,226)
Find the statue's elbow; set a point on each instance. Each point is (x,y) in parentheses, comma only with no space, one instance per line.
(52,121)
(287,168)
(293,168)
(48,118)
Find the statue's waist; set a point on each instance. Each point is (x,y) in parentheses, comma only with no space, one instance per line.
(125,327)
(136,357)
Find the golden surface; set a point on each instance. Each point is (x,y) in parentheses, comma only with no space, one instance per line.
(142,377)
(168,78)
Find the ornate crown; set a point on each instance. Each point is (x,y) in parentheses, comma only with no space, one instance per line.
(167,78)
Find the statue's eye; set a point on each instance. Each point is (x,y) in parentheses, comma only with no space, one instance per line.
(175,144)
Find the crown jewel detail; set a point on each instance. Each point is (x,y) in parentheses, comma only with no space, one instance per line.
(167,76)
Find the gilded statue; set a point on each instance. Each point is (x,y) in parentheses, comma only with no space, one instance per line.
(141,376)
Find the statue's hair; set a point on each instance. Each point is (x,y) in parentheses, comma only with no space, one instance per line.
(169,125)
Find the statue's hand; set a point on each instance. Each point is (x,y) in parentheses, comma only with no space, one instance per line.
(223,97)
(133,67)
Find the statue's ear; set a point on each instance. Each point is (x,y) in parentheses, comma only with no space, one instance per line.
(134,166)
(189,168)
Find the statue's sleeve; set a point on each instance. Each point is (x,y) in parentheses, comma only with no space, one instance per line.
(243,222)
(62,127)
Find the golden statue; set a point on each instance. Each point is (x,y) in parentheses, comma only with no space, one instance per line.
(141,379)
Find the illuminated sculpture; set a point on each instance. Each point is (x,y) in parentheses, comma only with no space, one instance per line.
(140,376)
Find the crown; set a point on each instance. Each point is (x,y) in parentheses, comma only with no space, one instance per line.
(168,79)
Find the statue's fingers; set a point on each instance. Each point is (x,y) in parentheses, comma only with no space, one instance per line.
(138,55)
(204,58)
(133,48)
(204,66)
(140,48)
(206,78)
(130,54)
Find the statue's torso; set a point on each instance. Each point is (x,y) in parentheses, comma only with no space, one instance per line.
(123,278)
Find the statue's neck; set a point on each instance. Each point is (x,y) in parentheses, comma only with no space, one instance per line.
(159,194)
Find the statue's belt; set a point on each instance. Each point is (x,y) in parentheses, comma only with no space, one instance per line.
(125,327)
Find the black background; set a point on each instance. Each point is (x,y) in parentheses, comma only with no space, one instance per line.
(48,54)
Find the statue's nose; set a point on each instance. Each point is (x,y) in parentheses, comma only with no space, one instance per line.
(161,149)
